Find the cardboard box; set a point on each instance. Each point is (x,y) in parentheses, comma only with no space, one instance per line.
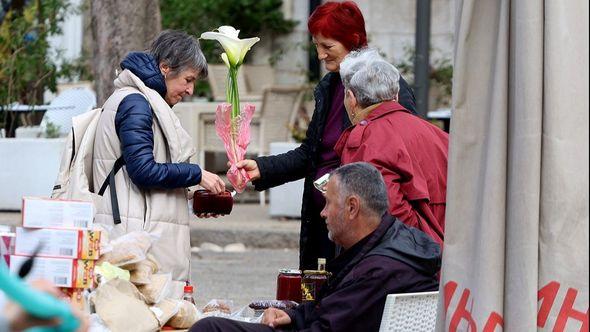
(62,272)
(60,243)
(6,246)
(40,212)
(76,298)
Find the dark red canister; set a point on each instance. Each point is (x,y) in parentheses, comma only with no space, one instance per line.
(289,285)
(207,202)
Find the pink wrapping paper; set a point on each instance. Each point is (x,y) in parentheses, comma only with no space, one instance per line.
(235,135)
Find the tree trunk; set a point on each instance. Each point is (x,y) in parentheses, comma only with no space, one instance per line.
(118,27)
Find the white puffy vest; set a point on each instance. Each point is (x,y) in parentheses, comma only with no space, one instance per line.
(163,213)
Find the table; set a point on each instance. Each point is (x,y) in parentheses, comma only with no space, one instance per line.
(443,114)
(27,115)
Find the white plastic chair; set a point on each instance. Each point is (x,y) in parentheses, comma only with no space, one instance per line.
(65,106)
(410,312)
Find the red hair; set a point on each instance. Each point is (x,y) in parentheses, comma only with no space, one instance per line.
(342,21)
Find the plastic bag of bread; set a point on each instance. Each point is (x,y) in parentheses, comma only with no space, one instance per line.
(186,316)
(141,272)
(165,309)
(122,308)
(128,249)
(157,289)
(218,308)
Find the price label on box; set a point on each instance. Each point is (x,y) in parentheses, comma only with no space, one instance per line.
(61,243)
(62,272)
(56,213)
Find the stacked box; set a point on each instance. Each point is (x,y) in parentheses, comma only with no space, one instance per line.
(62,272)
(58,243)
(6,246)
(61,231)
(57,213)
(75,296)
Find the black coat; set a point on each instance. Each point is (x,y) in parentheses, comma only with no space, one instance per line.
(302,163)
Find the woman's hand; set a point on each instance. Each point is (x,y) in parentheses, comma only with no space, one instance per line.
(212,182)
(275,317)
(251,167)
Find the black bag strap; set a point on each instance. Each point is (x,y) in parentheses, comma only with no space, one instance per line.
(110,182)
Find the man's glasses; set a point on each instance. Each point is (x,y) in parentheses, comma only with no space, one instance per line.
(321,184)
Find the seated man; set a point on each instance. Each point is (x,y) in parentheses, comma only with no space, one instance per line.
(380,256)
(410,153)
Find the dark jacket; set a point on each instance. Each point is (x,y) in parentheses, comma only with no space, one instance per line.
(133,123)
(393,259)
(302,162)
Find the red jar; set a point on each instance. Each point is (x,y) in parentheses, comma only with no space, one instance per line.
(206,202)
(289,285)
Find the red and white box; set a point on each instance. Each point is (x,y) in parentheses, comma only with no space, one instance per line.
(62,272)
(6,246)
(58,243)
(38,212)
(75,296)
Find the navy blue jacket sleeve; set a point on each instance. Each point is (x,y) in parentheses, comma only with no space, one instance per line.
(406,96)
(133,123)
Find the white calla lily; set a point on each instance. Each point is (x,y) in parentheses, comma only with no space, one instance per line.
(235,48)
(235,52)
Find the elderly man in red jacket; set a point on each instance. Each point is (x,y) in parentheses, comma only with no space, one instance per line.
(410,152)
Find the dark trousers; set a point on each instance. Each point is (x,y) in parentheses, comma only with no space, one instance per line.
(217,324)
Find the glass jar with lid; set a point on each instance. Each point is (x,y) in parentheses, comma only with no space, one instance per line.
(289,285)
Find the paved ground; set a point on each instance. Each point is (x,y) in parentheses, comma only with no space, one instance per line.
(240,277)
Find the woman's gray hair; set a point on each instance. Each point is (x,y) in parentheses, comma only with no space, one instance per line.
(364,180)
(180,51)
(370,78)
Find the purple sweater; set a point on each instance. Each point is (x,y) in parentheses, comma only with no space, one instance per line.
(328,159)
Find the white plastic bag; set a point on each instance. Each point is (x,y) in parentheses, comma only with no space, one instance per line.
(141,272)
(186,316)
(218,308)
(157,289)
(165,310)
(127,249)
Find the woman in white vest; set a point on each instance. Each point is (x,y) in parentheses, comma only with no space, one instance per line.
(139,130)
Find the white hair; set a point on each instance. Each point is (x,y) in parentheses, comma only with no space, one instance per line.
(370,78)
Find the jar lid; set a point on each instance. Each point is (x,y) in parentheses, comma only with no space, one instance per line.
(290,271)
(314,272)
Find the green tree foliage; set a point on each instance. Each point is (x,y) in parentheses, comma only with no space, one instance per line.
(441,74)
(25,69)
(251,17)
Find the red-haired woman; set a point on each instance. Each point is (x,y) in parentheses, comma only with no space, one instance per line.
(337,28)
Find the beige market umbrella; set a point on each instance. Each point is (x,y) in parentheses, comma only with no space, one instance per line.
(516,237)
